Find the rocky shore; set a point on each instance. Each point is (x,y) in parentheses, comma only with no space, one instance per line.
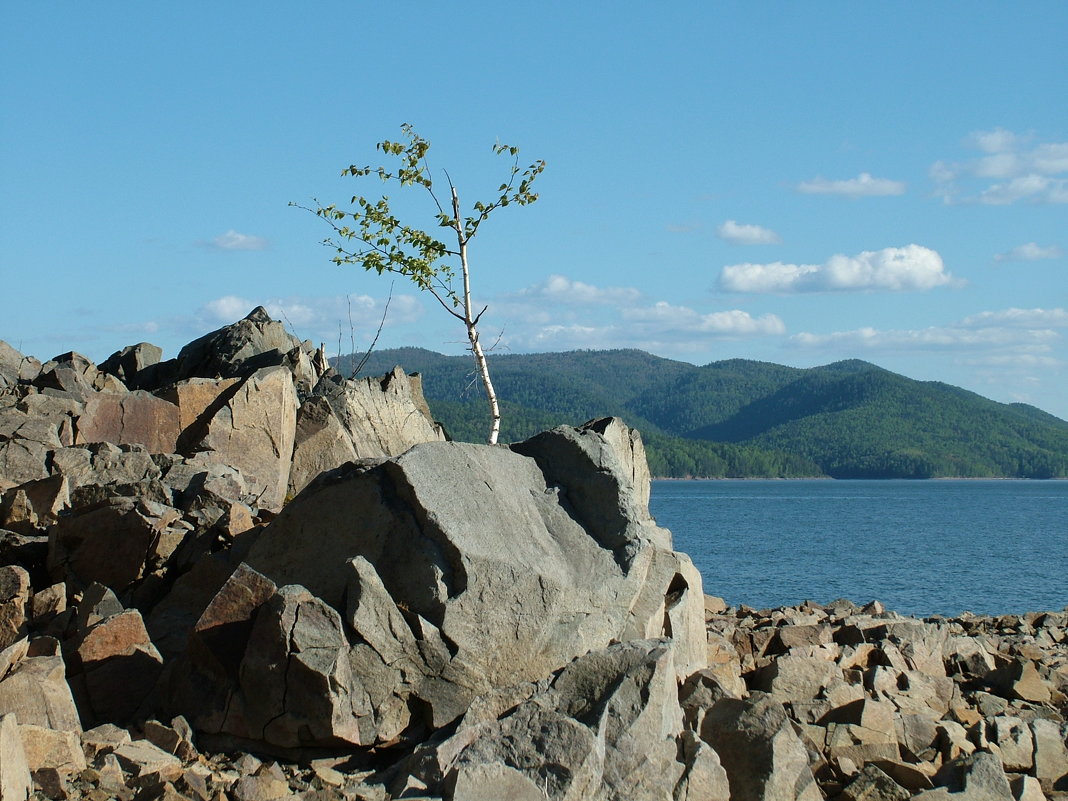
(237,574)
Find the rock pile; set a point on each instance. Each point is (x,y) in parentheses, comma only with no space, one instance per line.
(890,707)
(238,575)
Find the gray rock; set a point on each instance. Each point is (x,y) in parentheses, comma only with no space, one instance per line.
(135,418)
(233,351)
(33,686)
(873,784)
(608,727)
(495,573)
(763,755)
(1051,754)
(15,367)
(134,365)
(254,430)
(980,776)
(14,603)
(15,781)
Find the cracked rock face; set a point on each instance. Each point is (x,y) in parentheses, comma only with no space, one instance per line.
(457,569)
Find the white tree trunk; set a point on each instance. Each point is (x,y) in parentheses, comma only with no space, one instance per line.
(472,328)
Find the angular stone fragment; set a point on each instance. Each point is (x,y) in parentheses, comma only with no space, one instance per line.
(49,749)
(15,781)
(148,764)
(133,365)
(115,543)
(873,784)
(254,430)
(1051,754)
(136,418)
(34,687)
(979,776)
(764,758)
(119,664)
(14,603)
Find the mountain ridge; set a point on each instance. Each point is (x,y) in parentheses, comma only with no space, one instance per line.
(741,418)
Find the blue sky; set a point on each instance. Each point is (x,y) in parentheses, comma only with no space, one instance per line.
(794,183)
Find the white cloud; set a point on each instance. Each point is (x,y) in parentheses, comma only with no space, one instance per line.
(864,185)
(560,289)
(1027,318)
(722,323)
(912,267)
(747,234)
(1031,251)
(228,309)
(932,338)
(1011,170)
(232,240)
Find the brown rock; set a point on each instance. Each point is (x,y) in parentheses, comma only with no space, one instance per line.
(254,431)
(113,544)
(47,748)
(133,418)
(14,603)
(35,688)
(120,665)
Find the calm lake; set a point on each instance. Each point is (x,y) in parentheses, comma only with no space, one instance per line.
(920,547)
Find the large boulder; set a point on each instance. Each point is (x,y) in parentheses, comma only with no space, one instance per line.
(359,419)
(458,569)
(233,351)
(253,430)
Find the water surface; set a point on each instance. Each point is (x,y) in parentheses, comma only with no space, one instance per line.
(920,547)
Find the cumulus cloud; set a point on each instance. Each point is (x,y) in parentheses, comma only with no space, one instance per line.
(912,267)
(747,234)
(560,289)
(1011,169)
(232,240)
(864,185)
(561,314)
(722,323)
(1032,251)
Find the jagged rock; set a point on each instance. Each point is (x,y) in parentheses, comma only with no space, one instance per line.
(76,377)
(872,784)
(234,351)
(980,776)
(764,758)
(134,365)
(14,603)
(33,685)
(103,463)
(34,505)
(119,666)
(51,751)
(253,430)
(1013,740)
(15,780)
(382,416)
(483,584)
(135,418)
(148,764)
(15,367)
(607,727)
(793,677)
(21,460)
(115,543)
(1051,754)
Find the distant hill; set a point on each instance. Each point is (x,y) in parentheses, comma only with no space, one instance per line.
(735,418)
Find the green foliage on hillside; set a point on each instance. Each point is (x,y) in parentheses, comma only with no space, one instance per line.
(740,418)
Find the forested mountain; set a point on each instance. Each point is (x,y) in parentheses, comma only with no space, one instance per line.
(850,419)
